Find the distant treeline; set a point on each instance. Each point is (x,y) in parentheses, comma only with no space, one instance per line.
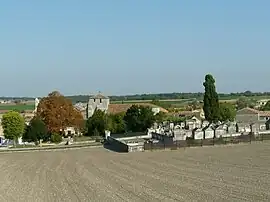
(166,96)
(158,96)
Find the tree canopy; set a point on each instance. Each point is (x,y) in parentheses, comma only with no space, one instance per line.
(243,102)
(97,123)
(227,112)
(139,118)
(58,112)
(13,124)
(35,131)
(210,101)
(116,123)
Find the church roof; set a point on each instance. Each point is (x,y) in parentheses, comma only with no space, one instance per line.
(99,96)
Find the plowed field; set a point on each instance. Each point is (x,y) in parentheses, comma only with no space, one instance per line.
(219,173)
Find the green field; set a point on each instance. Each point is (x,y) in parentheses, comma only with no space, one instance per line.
(18,107)
(182,103)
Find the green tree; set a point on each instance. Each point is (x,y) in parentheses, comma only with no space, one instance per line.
(99,122)
(195,104)
(139,118)
(13,124)
(227,112)
(116,123)
(36,131)
(160,117)
(56,138)
(242,102)
(210,101)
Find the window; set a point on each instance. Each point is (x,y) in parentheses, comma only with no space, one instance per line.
(94,100)
(100,100)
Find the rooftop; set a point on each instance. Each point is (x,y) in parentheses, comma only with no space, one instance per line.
(99,96)
(255,111)
(118,108)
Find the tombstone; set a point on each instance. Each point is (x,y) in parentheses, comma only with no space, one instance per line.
(20,141)
(155,125)
(107,134)
(171,125)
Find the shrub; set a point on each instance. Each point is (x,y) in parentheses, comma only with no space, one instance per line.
(56,138)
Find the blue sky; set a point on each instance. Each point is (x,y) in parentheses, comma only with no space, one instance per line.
(126,46)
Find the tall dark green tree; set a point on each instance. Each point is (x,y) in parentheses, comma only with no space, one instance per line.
(116,123)
(35,131)
(97,124)
(210,101)
(139,118)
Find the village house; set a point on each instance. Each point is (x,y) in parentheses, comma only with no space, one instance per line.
(261,103)
(251,120)
(28,115)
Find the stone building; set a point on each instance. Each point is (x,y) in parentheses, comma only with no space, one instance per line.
(251,120)
(98,101)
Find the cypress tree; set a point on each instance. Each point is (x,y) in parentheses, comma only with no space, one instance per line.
(210,101)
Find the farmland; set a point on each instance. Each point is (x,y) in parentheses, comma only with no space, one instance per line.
(222,173)
(17,107)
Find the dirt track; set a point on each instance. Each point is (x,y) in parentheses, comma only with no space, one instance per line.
(223,173)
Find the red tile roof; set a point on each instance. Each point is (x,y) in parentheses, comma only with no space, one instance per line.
(118,108)
(255,111)
(3,111)
(264,113)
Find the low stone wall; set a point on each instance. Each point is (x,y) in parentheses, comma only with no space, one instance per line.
(117,145)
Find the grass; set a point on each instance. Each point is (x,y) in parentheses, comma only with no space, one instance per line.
(179,103)
(23,146)
(19,107)
(82,139)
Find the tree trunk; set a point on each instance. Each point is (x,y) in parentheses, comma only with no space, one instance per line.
(14,142)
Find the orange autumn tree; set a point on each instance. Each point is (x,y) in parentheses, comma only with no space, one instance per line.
(58,112)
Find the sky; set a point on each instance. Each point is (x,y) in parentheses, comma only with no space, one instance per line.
(133,46)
